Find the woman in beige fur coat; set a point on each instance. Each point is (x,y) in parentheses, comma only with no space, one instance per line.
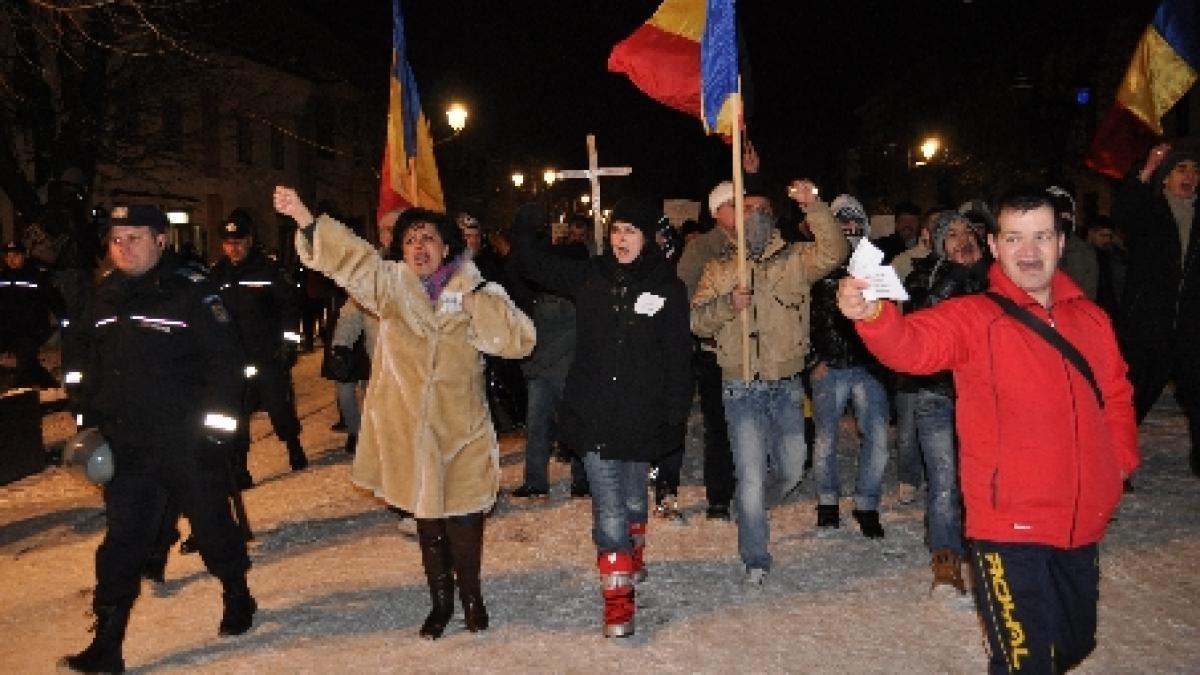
(427,444)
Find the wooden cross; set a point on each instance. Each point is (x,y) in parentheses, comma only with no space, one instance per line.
(593,174)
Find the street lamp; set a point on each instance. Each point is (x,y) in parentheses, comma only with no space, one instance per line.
(518,179)
(549,175)
(929,147)
(456,115)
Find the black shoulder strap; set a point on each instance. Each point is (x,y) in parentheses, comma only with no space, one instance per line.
(1052,336)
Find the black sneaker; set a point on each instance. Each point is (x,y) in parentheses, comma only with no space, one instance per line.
(868,522)
(526,492)
(717,512)
(827,516)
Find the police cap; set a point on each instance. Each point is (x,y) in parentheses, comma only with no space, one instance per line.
(138,215)
(239,225)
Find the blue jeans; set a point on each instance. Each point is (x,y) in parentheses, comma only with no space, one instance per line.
(943,510)
(908,448)
(618,499)
(543,394)
(830,394)
(347,400)
(766,435)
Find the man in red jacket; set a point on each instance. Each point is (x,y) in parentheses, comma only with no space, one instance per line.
(1042,451)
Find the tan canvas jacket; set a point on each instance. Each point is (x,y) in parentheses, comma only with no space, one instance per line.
(779,313)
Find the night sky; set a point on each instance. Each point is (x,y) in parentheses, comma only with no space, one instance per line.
(534,77)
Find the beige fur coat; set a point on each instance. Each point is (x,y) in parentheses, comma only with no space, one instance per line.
(427,444)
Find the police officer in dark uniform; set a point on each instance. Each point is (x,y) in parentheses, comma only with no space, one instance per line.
(157,367)
(27,301)
(266,311)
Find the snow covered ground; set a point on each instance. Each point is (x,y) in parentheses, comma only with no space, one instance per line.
(340,588)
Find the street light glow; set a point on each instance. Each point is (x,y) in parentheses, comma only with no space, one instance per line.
(585,198)
(518,179)
(929,147)
(456,114)
(549,175)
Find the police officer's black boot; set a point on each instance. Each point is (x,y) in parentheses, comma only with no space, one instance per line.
(435,557)
(239,607)
(104,654)
(296,456)
(466,548)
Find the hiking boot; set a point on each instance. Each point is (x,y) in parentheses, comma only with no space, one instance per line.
(868,522)
(527,492)
(947,571)
(827,516)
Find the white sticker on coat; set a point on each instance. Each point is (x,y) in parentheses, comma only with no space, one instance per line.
(649,304)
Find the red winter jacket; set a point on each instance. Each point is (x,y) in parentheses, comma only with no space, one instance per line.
(1040,461)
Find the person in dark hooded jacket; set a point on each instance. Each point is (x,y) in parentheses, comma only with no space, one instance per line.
(956,265)
(628,394)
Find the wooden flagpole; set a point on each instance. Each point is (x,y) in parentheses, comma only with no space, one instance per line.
(740,220)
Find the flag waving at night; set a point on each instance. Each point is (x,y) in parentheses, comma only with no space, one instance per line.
(1163,69)
(685,56)
(409,176)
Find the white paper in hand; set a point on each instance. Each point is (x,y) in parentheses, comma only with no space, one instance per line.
(866,263)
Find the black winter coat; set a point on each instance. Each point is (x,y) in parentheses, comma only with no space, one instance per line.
(1160,305)
(834,340)
(263,301)
(629,388)
(157,353)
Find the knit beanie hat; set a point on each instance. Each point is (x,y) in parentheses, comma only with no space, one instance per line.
(639,213)
(847,207)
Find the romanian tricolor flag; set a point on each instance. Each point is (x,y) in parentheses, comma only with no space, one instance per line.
(1163,68)
(409,176)
(685,56)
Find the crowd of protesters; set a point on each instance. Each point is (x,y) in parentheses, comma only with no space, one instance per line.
(1006,359)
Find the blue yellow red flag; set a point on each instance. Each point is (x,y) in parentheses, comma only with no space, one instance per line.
(1164,67)
(409,175)
(685,56)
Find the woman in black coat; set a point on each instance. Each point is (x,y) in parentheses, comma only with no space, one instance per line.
(629,389)
(1159,321)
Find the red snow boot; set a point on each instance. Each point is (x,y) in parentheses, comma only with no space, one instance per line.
(616,576)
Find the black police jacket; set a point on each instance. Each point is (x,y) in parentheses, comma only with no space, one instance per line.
(27,300)
(264,304)
(156,364)
(629,387)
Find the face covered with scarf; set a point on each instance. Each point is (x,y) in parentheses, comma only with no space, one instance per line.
(759,223)
(850,213)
